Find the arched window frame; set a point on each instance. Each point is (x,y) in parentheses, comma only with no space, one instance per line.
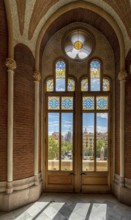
(67,77)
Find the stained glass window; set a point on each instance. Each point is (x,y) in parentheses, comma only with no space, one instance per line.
(102,102)
(95,75)
(60,75)
(50,85)
(71,85)
(88,103)
(53,103)
(84,85)
(106,84)
(67,103)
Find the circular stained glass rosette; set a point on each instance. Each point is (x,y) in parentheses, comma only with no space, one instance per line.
(78,44)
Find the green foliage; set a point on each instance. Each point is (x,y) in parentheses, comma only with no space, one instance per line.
(66,147)
(88,151)
(53,148)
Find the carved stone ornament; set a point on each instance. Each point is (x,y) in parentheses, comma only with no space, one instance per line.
(10,64)
(122,75)
(37,76)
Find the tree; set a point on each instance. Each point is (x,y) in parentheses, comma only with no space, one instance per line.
(53,148)
(66,147)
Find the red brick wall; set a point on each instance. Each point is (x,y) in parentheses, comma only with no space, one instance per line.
(3,91)
(23,113)
(128,120)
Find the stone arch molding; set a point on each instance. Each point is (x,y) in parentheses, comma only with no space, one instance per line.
(89,6)
(14,30)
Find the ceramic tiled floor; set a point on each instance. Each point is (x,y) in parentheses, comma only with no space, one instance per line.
(73,207)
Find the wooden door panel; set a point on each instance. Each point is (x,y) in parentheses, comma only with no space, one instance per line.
(59,181)
(95,182)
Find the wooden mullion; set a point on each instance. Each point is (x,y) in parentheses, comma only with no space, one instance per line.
(95,133)
(59,141)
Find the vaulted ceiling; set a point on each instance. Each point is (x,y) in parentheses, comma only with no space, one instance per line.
(28,18)
(122,8)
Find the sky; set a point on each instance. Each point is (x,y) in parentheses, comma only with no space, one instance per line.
(67,121)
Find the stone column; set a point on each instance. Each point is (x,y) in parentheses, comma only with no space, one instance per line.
(37,78)
(11,65)
(122,77)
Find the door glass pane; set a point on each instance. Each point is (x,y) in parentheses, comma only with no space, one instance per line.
(88,142)
(95,75)
(60,76)
(53,141)
(102,141)
(66,141)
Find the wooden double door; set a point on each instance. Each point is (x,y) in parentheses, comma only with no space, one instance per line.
(77,149)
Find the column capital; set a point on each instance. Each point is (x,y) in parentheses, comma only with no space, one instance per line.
(122,75)
(37,76)
(10,64)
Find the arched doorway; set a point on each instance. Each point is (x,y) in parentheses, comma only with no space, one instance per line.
(77,114)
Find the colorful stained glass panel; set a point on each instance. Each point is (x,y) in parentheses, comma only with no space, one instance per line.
(50,85)
(71,85)
(106,85)
(102,103)
(60,76)
(84,85)
(88,103)
(53,103)
(95,75)
(67,103)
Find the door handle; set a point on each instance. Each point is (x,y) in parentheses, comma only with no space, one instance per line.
(82,173)
(71,173)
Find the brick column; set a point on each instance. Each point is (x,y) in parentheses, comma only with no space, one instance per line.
(11,65)
(122,77)
(37,78)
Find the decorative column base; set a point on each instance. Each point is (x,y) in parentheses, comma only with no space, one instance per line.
(122,189)
(20,192)
(9,187)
